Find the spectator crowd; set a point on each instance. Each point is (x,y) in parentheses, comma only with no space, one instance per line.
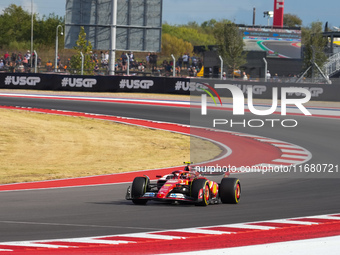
(148,63)
(18,62)
(185,65)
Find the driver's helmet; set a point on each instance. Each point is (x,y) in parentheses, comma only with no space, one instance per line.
(184,175)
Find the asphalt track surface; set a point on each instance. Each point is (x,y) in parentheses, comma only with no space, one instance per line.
(102,210)
(284,48)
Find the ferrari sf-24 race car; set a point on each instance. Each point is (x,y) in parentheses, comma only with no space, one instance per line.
(185,186)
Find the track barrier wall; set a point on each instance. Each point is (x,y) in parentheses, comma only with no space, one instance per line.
(162,85)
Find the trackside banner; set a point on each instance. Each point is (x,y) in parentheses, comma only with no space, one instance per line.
(57,82)
(265,90)
(162,85)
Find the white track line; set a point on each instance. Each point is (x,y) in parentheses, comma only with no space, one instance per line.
(152,236)
(161,235)
(202,231)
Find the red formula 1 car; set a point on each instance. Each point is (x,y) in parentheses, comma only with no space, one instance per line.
(184,186)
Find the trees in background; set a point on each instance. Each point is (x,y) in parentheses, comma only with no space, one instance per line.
(180,39)
(314,45)
(15,25)
(291,20)
(230,44)
(191,33)
(173,45)
(82,46)
(45,30)
(15,28)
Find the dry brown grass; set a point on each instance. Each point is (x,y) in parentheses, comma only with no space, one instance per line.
(35,146)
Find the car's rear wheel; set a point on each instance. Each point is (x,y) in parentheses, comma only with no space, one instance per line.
(230,190)
(200,191)
(138,189)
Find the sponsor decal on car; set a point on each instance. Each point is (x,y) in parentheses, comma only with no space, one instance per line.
(149,194)
(177,195)
(172,181)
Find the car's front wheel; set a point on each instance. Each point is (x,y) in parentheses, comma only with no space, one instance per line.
(138,189)
(200,191)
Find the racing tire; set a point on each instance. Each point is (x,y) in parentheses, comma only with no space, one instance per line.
(230,190)
(196,187)
(138,189)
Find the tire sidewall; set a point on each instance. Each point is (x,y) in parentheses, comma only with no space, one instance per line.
(138,189)
(230,190)
(196,186)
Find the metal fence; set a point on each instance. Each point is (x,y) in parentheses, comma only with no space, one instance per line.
(332,65)
(159,69)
